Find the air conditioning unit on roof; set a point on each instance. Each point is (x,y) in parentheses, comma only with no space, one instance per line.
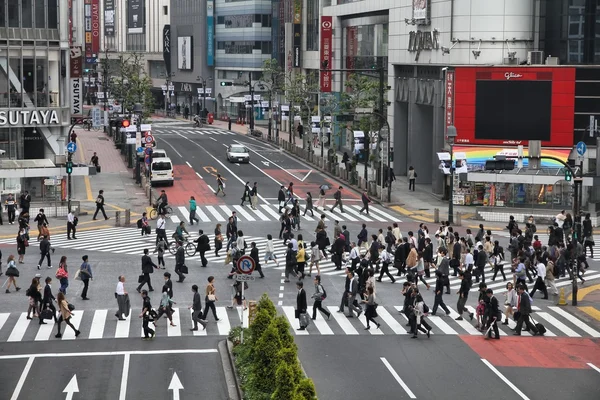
(535,58)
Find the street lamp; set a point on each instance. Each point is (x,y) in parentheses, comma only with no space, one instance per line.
(451,135)
(138,110)
(261,85)
(201,79)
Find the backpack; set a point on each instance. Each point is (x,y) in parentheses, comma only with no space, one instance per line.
(389,238)
(533,228)
(139,223)
(337,195)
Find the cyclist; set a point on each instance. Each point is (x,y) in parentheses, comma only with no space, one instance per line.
(162,202)
(178,235)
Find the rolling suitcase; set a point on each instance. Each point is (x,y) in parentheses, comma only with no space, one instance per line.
(540,328)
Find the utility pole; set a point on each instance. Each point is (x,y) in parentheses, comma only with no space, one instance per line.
(251,101)
(105,87)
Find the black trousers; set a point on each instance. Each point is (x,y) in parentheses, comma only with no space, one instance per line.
(539,285)
(524,319)
(385,270)
(67,321)
(11,214)
(45,255)
(161,233)
(318,305)
(100,208)
(209,305)
(494,324)
(86,283)
(258,268)
(147,330)
(70,229)
(480,271)
(411,184)
(439,302)
(498,268)
(146,280)
(179,274)
(204,260)
(365,208)
(161,261)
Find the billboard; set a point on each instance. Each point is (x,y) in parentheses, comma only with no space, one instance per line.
(136,17)
(109,18)
(167,48)
(512,105)
(297,33)
(210,33)
(95,28)
(420,9)
(449,98)
(87,22)
(184,53)
(326,49)
(76,61)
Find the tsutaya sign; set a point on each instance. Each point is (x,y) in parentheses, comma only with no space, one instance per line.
(29,117)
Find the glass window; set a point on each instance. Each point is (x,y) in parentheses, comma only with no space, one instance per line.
(165,10)
(257,18)
(220,20)
(27,13)
(239,21)
(266,21)
(40,14)
(312,25)
(13,14)
(52,14)
(2,13)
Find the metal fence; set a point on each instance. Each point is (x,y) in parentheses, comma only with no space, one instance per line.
(54,208)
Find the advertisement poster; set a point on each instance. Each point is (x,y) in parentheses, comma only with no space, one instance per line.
(420,9)
(136,16)
(210,34)
(109,18)
(95,28)
(184,52)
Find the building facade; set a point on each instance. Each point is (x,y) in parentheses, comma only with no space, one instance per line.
(34,90)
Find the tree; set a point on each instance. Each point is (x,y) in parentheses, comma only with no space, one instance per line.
(266,349)
(266,304)
(289,357)
(260,324)
(285,386)
(306,389)
(283,327)
(128,83)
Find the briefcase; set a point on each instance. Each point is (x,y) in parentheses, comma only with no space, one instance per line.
(98,168)
(148,229)
(141,278)
(47,314)
(183,269)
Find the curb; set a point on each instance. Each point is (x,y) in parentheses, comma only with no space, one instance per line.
(234,390)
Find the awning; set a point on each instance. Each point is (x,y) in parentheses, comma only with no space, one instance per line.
(478,155)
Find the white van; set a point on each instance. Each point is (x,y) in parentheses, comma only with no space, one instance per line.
(161,171)
(159,153)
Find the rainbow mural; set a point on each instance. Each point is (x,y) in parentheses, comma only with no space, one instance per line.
(478,155)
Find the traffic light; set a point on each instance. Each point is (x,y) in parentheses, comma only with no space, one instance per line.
(499,165)
(568,175)
(125,123)
(226,83)
(69,167)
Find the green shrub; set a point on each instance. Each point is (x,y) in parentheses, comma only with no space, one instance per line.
(265,359)
(235,335)
(289,357)
(261,322)
(285,386)
(306,389)
(283,327)
(265,303)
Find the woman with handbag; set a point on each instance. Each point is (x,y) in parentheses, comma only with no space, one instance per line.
(22,243)
(35,298)
(211,298)
(510,301)
(218,239)
(62,275)
(165,306)
(48,302)
(371,311)
(12,273)
(66,313)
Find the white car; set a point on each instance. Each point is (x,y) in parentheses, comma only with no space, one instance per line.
(238,153)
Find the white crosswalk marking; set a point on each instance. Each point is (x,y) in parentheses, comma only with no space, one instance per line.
(442,325)
(3,318)
(184,213)
(223,323)
(342,321)
(262,216)
(558,324)
(373,328)
(228,212)
(355,212)
(45,331)
(202,215)
(575,321)
(122,329)
(269,209)
(19,330)
(216,214)
(175,219)
(174,330)
(374,216)
(291,317)
(322,325)
(241,210)
(390,321)
(97,328)
(471,330)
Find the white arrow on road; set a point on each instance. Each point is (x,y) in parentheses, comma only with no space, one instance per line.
(175,386)
(71,388)
(266,163)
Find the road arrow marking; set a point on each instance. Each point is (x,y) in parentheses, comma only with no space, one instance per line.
(175,386)
(72,388)
(266,163)
(306,176)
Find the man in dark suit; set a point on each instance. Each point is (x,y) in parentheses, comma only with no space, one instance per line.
(45,251)
(196,308)
(301,305)
(346,289)
(147,268)
(495,314)
(203,246)
(352,292)
(254,255)
(524,308)
(281,198)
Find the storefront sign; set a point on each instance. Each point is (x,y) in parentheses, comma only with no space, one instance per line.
(109,18)
(95,27)
(76,58)
(512,75)
(449,97)
(351,47)
(29,117)
(167,48)
(297,44)
(136,16)
(210,35)
(76,96)
(87,21)
(326,48)
(420,8)
(419,40)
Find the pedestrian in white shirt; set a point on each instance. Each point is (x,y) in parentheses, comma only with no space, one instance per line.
(354,255)
(560,218)
(122,299)
(540,268)
(71,225)
(469,261)
(270,251)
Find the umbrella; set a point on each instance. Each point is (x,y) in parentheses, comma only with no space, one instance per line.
(325,187)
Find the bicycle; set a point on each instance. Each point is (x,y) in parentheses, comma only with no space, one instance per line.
(154,212)
(87,125)
(190,247)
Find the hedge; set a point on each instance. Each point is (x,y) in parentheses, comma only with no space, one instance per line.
(267,361)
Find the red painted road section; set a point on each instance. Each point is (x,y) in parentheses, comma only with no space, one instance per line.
(187,184)
(537,352)
(312,183)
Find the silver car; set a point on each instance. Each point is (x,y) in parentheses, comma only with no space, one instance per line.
(238,153)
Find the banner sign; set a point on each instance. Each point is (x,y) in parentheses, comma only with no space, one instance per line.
(449,98)
(326,48)
(87,22)
(95,28)
(297,44)
(167,48)
(210,35)
(136,16)
(76,96)
(109,18)
(184,53)
(76,58)
(70,16)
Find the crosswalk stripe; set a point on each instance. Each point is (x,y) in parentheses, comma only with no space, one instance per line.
(471,330)
(228,212)
(174,330)
(3,319)
(391,322)
(441,324)
(261,215)
(184,212)
(45,331)
(365,217)
(557,324)
(242,211)
(16,335)
(97,328)
(576,321)
(122,329)
(223,323)
(175,219)
(202,215)
(321,325)
(342,321)
(291,317)
(388,217)
(269,209)
(215,213)
(68,333)
(377,217)
(373,329)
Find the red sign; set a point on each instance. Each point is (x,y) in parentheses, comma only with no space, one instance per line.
(76,62)
(562,104)
(70,15)
(95,27)
(326,50)
(449,96)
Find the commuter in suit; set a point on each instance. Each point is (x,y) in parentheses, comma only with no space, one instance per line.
(203,246)
(301,305)
(196,308)
(495,314)
(48,300)
(352,292)
(147,268)
(281,198)
(524,308)
(346,290)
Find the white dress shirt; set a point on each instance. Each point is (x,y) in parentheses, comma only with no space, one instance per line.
(120,290)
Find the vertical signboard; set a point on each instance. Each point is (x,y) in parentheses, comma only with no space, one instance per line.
(87,21)
(70,16)
(76,71)
(210,36)
(95,27)
(136,18)
(449,98)
(326,42)
(109,18)
(167,48)
(297,41)
(351,47)
(420,9)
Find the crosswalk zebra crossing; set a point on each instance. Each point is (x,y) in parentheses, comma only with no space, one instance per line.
(128,241)
(102,324)
(194,132)
(544,239)
(270,212)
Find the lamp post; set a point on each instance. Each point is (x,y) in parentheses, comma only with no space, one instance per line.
(451,135)
(201,79)
(261,86)
(138,110)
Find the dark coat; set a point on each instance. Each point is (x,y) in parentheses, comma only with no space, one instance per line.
(203,243)
(147,265)
(301,304)
(45,246)
(525,305)
(281,195)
